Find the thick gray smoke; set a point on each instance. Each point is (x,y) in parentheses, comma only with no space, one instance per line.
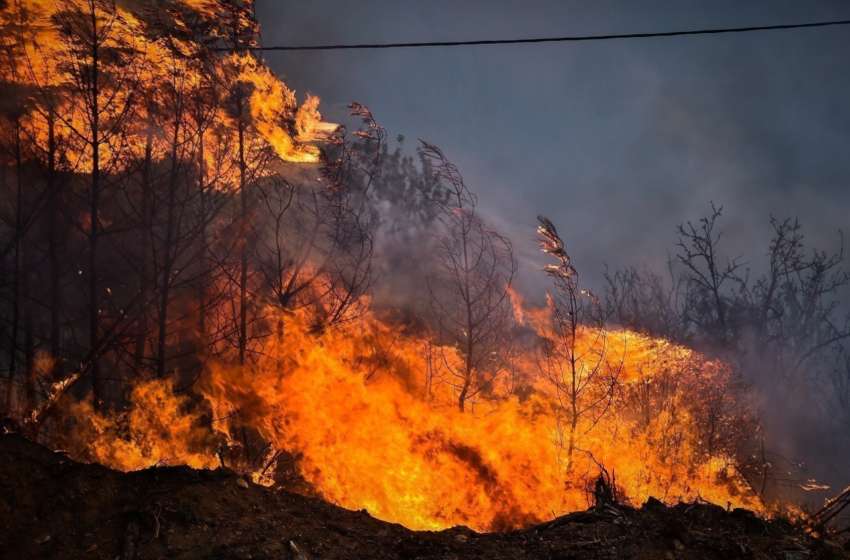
(617,142)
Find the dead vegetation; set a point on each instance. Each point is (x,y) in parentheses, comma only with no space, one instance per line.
(52,507)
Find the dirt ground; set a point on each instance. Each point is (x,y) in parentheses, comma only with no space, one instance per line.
(53,507)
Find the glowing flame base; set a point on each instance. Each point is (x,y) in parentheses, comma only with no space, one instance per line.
(366,435)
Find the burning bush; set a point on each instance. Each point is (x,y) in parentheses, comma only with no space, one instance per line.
(348,404)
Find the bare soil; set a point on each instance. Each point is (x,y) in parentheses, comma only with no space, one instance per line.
(54,507)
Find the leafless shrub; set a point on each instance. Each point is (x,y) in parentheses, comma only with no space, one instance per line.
(574,354)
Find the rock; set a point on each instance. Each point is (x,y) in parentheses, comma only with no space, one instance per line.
(240,482)
(42,539)
(794,554)
(295,553)
(677,544)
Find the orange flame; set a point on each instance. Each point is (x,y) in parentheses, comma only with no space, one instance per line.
(364,407)
(43,62)
(369,437)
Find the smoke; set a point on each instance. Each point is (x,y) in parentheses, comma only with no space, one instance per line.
(589,133)
(762,148)
(616,174)
(619,143)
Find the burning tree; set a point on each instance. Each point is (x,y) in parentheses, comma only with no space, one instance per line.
(470,299)
(576,357)
(133,153)
(317,252)
(101,72)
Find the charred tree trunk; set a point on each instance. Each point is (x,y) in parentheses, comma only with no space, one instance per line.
(243,273)
(53,244)
(571,441)
(203,280)
(467,382)
(16,268)
(29,348)
(469,327)
(144,275)
(94,233)
(168,257)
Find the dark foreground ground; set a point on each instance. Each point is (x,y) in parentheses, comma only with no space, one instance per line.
(52,507)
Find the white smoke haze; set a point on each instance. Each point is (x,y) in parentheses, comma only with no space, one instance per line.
(618,143)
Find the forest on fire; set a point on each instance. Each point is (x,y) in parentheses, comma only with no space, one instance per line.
(197,269)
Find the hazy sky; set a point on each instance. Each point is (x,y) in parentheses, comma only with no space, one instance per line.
(617,142)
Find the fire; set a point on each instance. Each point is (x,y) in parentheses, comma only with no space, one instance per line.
(159,428)
(272,103)
(46,63)
(368,436)
(364,410)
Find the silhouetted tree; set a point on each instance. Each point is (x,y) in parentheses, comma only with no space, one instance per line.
(470,295)
(102,76)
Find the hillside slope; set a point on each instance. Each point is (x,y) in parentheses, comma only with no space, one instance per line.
(53,507)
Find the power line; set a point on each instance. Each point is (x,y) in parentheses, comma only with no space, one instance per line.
(573,39)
